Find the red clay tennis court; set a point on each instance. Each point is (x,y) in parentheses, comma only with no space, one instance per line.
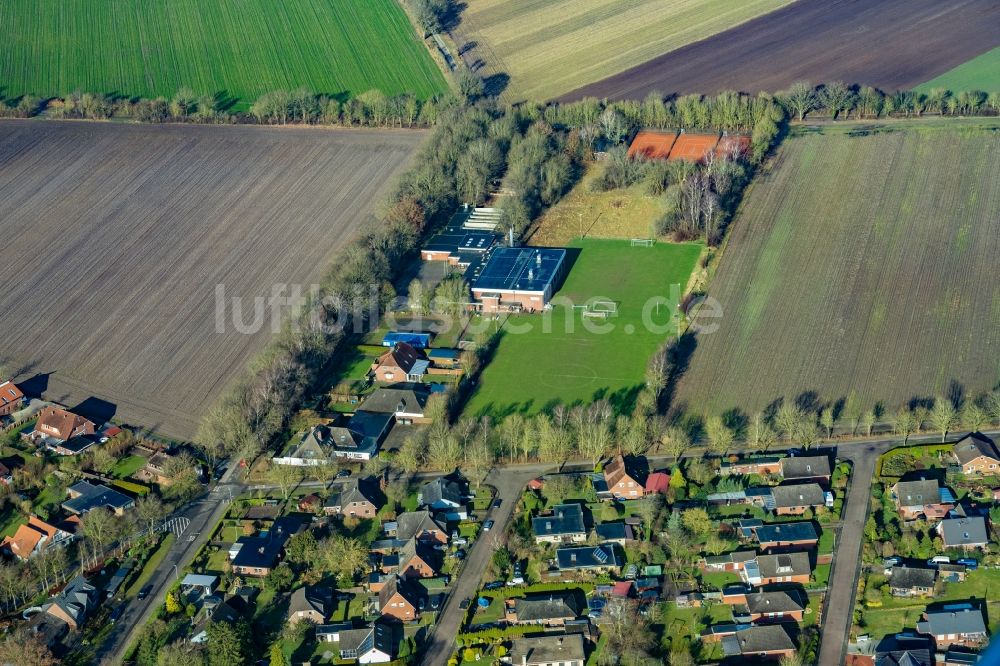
(652,145)
(734,146)
(693,147)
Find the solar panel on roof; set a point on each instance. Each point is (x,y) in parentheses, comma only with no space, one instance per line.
(600,555)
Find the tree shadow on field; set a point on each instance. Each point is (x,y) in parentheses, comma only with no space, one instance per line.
(956,393)
(453,16)
(808,401)
(495,84)
(97,410)
(224,101)
(679,358)
(623,400)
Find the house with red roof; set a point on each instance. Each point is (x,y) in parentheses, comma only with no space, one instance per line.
(11,398)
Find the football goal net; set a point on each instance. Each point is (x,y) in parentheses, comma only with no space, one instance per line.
(642,242)
(606,307)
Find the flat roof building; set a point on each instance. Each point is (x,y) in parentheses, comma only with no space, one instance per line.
(516,279)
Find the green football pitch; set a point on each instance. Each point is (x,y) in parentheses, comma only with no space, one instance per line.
(239,48)
(563,357)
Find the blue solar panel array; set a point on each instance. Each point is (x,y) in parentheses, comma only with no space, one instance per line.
(520,269)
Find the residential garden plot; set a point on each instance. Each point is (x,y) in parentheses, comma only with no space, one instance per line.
(549,364)
(549,48)
(237,49)
(864,260)
(118,236)
(980,73)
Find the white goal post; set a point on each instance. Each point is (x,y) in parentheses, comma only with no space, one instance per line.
(642,242)
(607,307)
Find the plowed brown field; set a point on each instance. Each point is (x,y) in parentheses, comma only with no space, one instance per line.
(115,237)
(890,44)
(860,263)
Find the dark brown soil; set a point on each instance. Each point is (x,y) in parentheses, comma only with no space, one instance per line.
(890,44)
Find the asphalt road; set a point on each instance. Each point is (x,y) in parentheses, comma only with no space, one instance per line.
(203,514)
(509,483)
(838,616)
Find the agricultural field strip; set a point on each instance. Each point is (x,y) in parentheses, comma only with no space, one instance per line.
(551,48)
(891,44)
(825,290)
(120,234)
(238,49)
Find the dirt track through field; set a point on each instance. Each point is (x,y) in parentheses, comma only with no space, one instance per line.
(115,237)
(891,44)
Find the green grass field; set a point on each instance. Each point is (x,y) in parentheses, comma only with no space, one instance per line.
(863,260)
(982,73)
(240,49)
(558,360)
(550,48)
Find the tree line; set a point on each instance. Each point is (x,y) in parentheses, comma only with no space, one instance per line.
(838,100)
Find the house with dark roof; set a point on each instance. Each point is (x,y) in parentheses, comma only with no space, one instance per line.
(772,606)
(617,532)
(623,478)
(442,494)
(229,611)
(402,363)
(977,454)
(422,526)
(960,657)
(417,560)
(786,535)
(259,554)
(955,624)
(768,641)
(407,405)
(358,498)
(74,604)
(564,649)
(550,609)
(310,603)
(779,568)
(11,398)
(371,644)
(796,499)
(85,496)
(399,600)
(922,498)
(596,559)
(73,446)
(564,524)
(806,468)
(968,533)
(911,581)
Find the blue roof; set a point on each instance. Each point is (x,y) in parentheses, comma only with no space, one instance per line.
(442,352)
(804,531)
(415,340)
(946,495)
(520,269)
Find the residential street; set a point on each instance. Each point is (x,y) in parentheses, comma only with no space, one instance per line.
(203,514)
(509,483)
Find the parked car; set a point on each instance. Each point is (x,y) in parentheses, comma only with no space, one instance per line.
(459,554)
(939,559)
(459,541)
(495,585)
(116,614)
(437,600)
(488,525)
(968,563)
(890,562)
(343,474)
(465,604)
(144,592)
(497,502)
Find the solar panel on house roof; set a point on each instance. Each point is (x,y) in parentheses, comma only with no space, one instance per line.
(520,269)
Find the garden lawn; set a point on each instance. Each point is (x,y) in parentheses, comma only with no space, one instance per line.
(235,49)
(981,73)
(561,357)
(128,466)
